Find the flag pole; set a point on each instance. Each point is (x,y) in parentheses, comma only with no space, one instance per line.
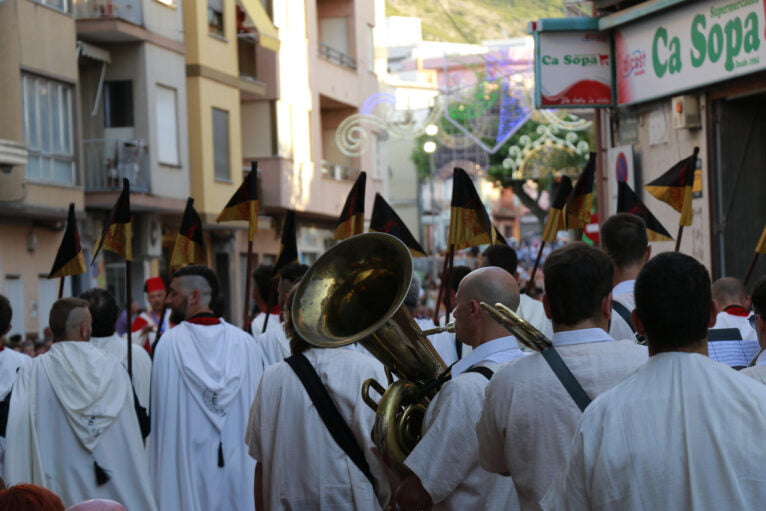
(531,280)
(678,237)
(269,304)
(129,298)
(61,287)
(248,282)
(159,328)
(752,267)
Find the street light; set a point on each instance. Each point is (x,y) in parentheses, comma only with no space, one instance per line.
(429,146)
(431,130)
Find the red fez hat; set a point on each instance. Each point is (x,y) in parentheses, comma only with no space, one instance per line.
(154,284)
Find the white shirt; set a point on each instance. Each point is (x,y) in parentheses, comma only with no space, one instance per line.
(622,293)
(529,418)
(758,373)
(117,347)
(443,343)
(533,312)
(677,434)
(303,466)
(256,325)
(726,320)
(446,458)
(10,362)
(273,344)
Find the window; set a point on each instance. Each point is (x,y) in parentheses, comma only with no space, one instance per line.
(247,56)
(59,5)
(221,144)
(118,104)
(215,17)
(48,130)
(167,126)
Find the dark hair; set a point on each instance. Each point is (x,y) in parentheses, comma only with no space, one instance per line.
(501,256)
(6,314)
(577,279)
(198,270)
(758,296)
(458,274)
(623,237)
(104,310)
(673,300)
(29,497)
(60,313)
(262,277)
(297,343)
(293,272)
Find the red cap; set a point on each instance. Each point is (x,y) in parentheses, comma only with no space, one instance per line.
(154,284)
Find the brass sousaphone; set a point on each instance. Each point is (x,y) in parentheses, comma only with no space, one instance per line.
(354,293)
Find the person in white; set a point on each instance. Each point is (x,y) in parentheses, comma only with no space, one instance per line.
(262,280)
(443,342)
(300,465)
(623,238)
(531,310)
(445,463)
(758,299)
(677,434)
(204,376)
(72,420)
(528,418)
(733,307)
(10,362)
(104,311)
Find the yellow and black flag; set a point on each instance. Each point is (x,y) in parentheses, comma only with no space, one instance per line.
(581,200)
(628,202)
(761,246)
(674,187)
(117,235)
(288,250)
(469,224)
(69,258)
(556,220)
(385,219)
(351,220)
(190,244)
(243,205)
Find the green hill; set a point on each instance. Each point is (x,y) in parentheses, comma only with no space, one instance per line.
(478,19)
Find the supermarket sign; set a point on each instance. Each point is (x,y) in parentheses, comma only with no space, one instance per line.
(699,44)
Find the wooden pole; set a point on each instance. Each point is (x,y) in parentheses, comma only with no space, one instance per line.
(129,298)
(159,328)
(61,288)
(678,237)
(752,267)
(248,282)
(531,281)
(270,302)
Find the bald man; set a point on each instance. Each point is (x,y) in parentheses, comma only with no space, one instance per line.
(733,306)
(445,463)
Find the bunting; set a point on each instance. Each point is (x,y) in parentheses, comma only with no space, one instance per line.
(190,244)
(674,187)
(351,220)
(243,205)
(117,235)
(69,258)
(469,224)
(385,219)
(628,202)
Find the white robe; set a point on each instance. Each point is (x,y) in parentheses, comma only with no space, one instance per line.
(446,459)
(204,378)
(303,467)
(680,433)
(758,373)
(256,325)
(534,313)
(273,344)
(70,407)
(117,346)
(725,320)
(10,362)
(528,419)
(623,293)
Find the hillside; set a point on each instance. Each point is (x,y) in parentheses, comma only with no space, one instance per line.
(478,19)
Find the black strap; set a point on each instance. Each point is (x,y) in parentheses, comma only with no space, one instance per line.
(329,413)
(143,418)
(458,349)
(624,314)
(482,370)
(566,377)
(5,406)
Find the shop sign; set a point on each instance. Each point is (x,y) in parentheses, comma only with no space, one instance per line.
(699,44)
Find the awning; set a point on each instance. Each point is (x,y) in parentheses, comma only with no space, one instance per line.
(267,32)
(93,52)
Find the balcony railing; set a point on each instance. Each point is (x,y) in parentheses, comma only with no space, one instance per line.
(336,56)
(338,171)
(108,160)
(128,10)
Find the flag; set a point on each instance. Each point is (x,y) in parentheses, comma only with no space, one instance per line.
(469,224)
(190,245)
(69,259)
(385,219)
(628,202)
(288,249)
(581,199)
(556,220)
(243,205)
(761,246)
(351,220)
(499,238)
(117,235)
(674,187)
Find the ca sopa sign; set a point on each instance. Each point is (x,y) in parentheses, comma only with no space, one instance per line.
(696,45)
(573,69)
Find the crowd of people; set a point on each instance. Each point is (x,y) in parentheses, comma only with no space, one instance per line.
(633,383)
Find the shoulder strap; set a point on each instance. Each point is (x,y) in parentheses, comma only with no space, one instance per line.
(624,313)
(329,413)
(566,377)
(482,370)
(5,406)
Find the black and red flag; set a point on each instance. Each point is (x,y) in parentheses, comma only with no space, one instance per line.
(556,220)
(117,235)
(580,201)
(351,220)
(243,205)
(69,258)
(190,244)
(628,202)
(469,224)
(288,250)
(674,187)
(385,219)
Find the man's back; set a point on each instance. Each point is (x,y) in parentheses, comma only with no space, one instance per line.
(529,419)
(677,434)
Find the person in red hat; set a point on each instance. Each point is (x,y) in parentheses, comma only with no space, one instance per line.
(144,327)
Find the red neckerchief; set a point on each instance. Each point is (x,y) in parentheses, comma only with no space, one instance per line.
(204,318)
(737,310)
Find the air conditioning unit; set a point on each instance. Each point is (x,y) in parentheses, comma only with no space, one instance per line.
(686,112)
(147,237)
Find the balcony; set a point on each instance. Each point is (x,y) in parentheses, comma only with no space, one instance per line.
(107,161)
(339,172)
(126,10)
(336,56)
